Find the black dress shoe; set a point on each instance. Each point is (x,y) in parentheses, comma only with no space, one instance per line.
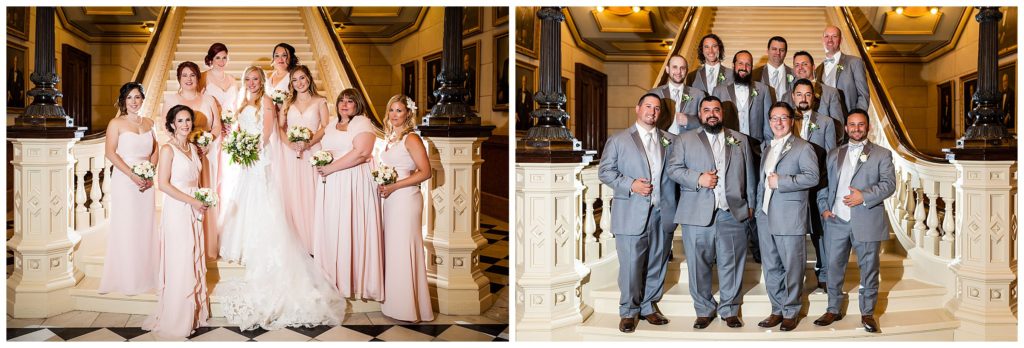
(733,321)
(823,286)
(827,319)
(628,325)
(788,324)
(702,322)
(869,323)
(656,318)
(770,321)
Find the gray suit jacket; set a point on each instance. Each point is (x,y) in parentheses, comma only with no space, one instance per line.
(699,78)
(758,107)
(851,82)
(760,75)
(824,137)
(667,117)
(875,177)
(797,167)
(624,160)
(827,103)
(692,156)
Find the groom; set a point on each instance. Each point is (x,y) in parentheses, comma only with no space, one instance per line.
(633,164)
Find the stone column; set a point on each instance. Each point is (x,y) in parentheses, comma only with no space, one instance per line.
(548,206)
(988,129)
(44,110)
(454,135)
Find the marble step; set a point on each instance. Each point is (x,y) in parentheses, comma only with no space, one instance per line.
(918,325)
(271,40)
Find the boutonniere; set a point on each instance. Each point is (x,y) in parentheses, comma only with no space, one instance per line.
(753,92)
(721,76)
(812,127)
(839,67)
(789,78)
(863,157)
(665,142)
(686,98)
(788,146)
(731,141)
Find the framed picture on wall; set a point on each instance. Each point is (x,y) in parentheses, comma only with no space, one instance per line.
(17,22)
(565,90)
(946,128)
(526,81)
(526,31)
(1007,80)
(1007,30)
(472,21)
(500,14)
(471,66)
(432,66)
(409,80)
(16,78)
(968,85)
(500,91)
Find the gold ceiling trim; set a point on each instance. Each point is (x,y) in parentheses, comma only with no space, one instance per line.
(141,37)
(379,11)
(638,22)
(394,38)
(109,11)
(965,18)
(897,24)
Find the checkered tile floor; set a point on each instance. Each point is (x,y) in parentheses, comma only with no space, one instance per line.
(492,325)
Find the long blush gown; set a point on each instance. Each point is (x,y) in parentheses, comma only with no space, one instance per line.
(131,262)
(300,177)
(227,99)
(403,244)
(183,303)
(348,232)
(210,176)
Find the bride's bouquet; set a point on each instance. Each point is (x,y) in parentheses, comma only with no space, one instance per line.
(321,158)
(207,197)
(145,170)
(278,96)
(202,139)
(243,147)
(299,133)
(384,175)
(228,118)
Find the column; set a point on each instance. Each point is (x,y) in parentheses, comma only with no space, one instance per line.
(454,135)
(988,129)
(44,110)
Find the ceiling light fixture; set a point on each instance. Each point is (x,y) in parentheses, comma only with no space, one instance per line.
(899,10)
(934,10)
(600,9)
(636,9)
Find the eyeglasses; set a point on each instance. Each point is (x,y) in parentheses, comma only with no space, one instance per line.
(778,119)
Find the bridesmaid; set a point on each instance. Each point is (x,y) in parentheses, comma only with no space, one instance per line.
(348,234)
(283,60)
(183,304)
(403,216)
(218,83)
(131,261)
(207,118)
(308,109)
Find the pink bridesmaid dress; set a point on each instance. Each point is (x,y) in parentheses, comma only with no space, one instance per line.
(210,176)
(183,303)
(348,233)
(300,177)
(227,99)
(131,262)
(403,244)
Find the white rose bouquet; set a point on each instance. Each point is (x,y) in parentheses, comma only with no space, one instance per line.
(384,175)
(203,139)
(243,147)
(278,96)
(299,133)
(145,170)
(228,118)
(321,158)
(207,197)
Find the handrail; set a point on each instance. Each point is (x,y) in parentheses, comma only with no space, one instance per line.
(347,64)
(904,145)
(684,30)
(154,66)
(140,70)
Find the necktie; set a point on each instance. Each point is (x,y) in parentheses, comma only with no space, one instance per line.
(654,159)
(717,151)
(712,79)
(677,96)
(769,167)
(777,84)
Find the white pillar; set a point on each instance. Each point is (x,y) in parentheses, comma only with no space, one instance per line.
(548,273)
(986,283)
(453,239)
(43,239)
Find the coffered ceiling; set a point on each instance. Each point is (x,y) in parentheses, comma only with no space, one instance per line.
(912,33)
(624,33)
(376,24)
(109,24)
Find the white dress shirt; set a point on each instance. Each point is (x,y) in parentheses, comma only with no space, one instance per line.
(853,152)
(777,78)
(770,162)
(651,142)
(717,142)
(743,107)
(712,76)
(830,69)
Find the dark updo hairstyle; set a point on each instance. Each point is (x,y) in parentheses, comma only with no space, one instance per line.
(123,95)
(292,59)
(214,49)
(190,65)
(169,120)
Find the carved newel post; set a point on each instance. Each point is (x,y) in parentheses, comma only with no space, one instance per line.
(548,205)
(454,135)
(986,210)
(43,240)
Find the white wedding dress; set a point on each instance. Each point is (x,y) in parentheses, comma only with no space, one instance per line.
(281,286)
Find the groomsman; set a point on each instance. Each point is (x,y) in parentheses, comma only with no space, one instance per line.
(820,132)
(711,74)
(681,101)
(860,178)
(714,167)
(633,164)
(844,72)
(789,171)
(776,74)
(826,98)
(745,102)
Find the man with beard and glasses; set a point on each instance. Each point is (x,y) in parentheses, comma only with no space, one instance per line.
(776,74)
(745,102)
(844,72)
(715,169)
(681,101)
(789,172)
(633,165)
(820,132)
(860,178)
(825,97)
(711,74)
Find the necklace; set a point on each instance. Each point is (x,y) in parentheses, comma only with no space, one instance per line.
(137,122)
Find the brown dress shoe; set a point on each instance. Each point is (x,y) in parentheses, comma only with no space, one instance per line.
(628,325)
(869,323)
(770,321)
(702,322)
(733,321)
(656,318)
(827,319)
(788,324)
(823,286)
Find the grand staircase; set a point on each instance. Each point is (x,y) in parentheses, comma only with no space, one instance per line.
(749,28)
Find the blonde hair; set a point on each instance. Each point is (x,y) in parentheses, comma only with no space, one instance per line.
(293,94)
(409,124)
(257,98)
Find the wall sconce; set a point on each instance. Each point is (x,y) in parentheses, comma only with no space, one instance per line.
(338,27)
(934,10)
(916,11)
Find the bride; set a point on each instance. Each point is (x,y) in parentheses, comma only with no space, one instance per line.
(282,286)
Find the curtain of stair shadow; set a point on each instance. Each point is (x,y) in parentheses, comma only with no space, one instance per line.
(549,213)
(43,242)
(454,136)
(986,211)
